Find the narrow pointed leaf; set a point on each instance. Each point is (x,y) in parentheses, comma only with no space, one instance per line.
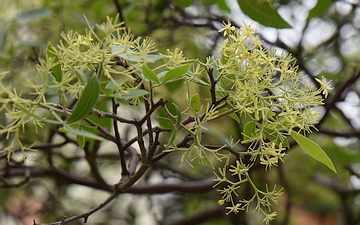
(178,115)
(176,72)
(126,53)
(153,57)
(56,70)
(83,133)
(27,16)
(183,3)
(313,149)
(195,102)
(222,4)
(172,137)
(235,116)
(321,7)
(113,85)
(80,141)
(87,101)
(149,74)
(81,76)
(136,93)
(263,12)
(208,2)
(3,38)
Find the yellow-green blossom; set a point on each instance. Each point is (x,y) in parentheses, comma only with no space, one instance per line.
(325,85)
(267,89)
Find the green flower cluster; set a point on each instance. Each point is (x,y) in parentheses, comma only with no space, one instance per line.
(249,83)
(265,89)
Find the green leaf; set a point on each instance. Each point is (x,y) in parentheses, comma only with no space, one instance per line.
(165,122)
(175,111)
(208,2)
(235,116)
(56,70)
(153,57)
(48,81)
(3,38)
(81,75)
(249,131)
(162,74)
(32,15)
(195,102)
(80,141)
(270,133)
(224,59)
(264,12)
(320,9)
(112,86)
(149,74)
(161,5)
(313,149)
(78,132)
(126,53)
(130,94)
(83,19)
(183,3)
(103,122)
(178,115)
(172,137)
(87,101)
(175,73)
(23,109)
(223,6)
(174,85)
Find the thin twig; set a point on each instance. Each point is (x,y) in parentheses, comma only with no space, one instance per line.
(155,144)
(141,143)
(124,171)
(134,159)
(86,215)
